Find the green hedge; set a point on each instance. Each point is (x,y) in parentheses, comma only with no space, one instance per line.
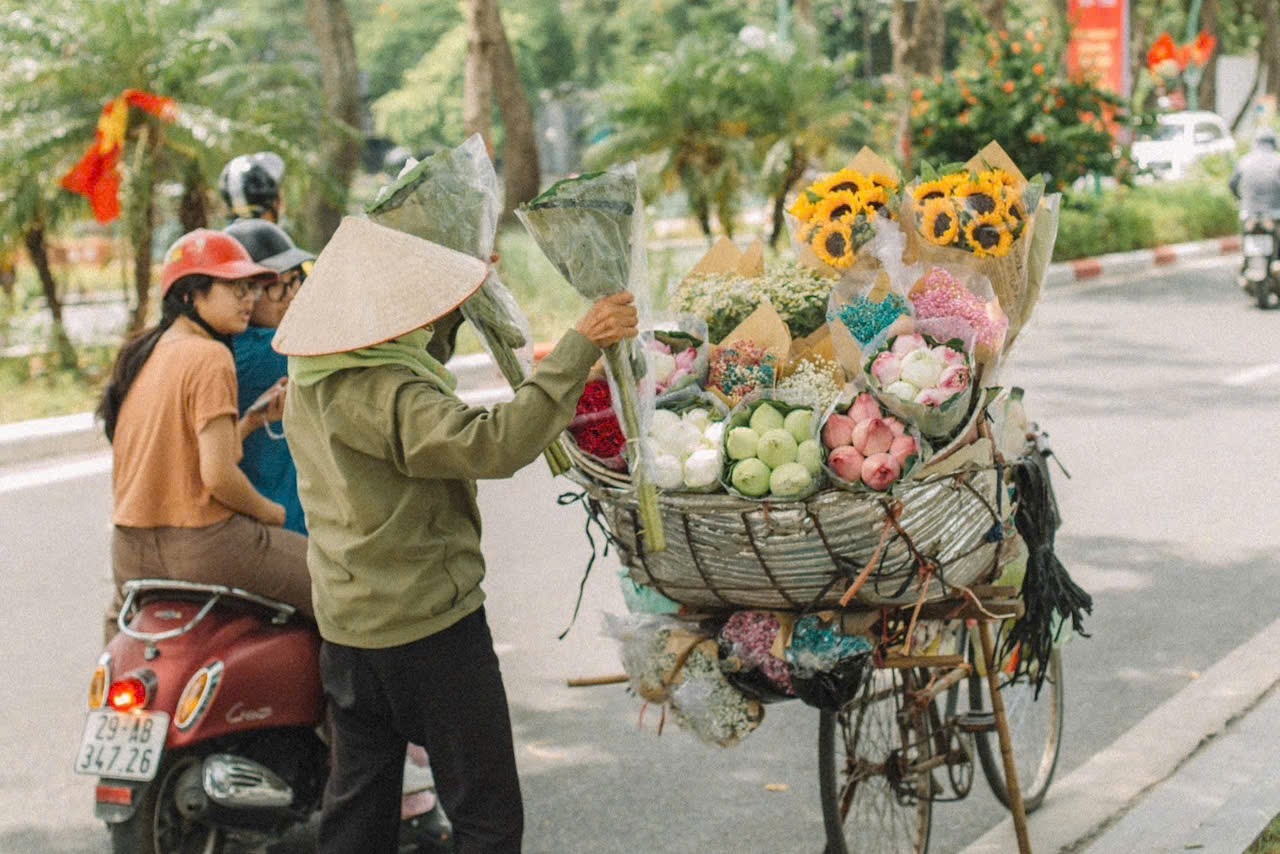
(1142,217)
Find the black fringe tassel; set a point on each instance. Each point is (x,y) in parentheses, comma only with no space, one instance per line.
(1048,593)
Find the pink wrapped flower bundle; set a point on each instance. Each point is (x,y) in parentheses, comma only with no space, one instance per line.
(923,382)
(946,308)
(867,446)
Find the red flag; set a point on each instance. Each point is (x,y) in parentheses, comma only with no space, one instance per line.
(97,175)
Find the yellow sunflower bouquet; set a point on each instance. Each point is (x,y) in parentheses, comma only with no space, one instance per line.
(986,217)
(835,216)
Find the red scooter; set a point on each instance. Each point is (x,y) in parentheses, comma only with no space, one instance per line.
(205,724)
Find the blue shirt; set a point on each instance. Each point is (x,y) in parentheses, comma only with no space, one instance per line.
(267,462)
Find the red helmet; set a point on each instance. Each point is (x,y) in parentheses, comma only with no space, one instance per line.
(210,253)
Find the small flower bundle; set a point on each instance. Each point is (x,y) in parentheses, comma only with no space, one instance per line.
(595,428)
(686,448)
(771,450)
(724,299)
(867,447)
(811,381)
(922,381)
(677,359)
(945,308)
(837,215)
(979,212)
(740,369)
(749,637)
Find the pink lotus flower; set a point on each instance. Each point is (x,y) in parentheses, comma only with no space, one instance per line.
(864,406)
(954,379)
(872,436)
(879,471)
(886,368)
(903,448)
(948,356)
(838,431)
(934,396)
(847,463)
(904,344)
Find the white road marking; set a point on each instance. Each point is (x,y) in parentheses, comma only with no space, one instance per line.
(1253,375)
(56,473)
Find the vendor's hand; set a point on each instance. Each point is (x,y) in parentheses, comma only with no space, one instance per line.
(269,407)
(610,319)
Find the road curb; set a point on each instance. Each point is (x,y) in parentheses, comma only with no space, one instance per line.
(1087,804)
(1140,260)
(480,381)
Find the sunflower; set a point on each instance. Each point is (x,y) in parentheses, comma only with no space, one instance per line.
(839,205)
(878,179)
(939,222)
(987,237)
(833,243)
(875,200)
(845,179)
(979,197)
(802,207)
(929,190)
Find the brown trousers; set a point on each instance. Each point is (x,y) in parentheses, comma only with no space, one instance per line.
(240,552)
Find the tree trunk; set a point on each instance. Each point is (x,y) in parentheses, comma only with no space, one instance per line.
(477,86)
(803,11)
(1207,92)
(140,209)
(38,251)
(340,136)
(796,164)
(521,173)
(995,13)
(193,208)
(918,39)
(33,238)
(1269,12)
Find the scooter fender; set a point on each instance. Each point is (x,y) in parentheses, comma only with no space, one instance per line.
(265,675)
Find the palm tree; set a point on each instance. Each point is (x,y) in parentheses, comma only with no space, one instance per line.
(62,60)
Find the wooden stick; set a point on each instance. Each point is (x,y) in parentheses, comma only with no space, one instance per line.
(1011,783)
(588,681)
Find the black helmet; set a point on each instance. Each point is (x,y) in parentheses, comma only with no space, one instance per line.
(250,183)
(268,244)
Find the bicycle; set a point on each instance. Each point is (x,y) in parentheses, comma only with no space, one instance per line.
(880,755)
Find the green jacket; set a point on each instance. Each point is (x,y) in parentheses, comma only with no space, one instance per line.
(387,463)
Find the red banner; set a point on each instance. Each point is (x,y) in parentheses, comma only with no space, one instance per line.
(1099,45)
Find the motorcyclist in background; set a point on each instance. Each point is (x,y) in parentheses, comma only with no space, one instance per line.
(1256,180)
(250,186)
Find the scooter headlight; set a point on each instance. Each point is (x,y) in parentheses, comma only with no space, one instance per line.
(197,695)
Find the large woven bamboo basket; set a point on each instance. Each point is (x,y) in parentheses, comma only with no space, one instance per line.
(726,553)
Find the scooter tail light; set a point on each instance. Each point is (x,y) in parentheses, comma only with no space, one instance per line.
(132,692)
(197,695)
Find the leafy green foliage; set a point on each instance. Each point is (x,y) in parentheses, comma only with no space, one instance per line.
(1020,97)
(1130,218)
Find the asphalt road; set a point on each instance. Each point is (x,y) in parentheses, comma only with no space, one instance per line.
(1157,392)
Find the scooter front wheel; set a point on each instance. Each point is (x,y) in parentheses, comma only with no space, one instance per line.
(161,825)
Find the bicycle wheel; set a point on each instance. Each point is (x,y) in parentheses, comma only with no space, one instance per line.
(1035,730)
(872,800)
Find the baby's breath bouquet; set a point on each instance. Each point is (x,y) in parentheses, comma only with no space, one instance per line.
(451,198)
(798,293)
(592,229)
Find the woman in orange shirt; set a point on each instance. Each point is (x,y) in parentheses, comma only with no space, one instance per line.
(183,508)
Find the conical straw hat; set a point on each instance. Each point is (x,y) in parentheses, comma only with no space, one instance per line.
(372,284)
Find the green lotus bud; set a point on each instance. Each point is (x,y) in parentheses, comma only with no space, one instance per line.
(741,443)
(799,423)
(777,447)
(790,480)
(809,455)
(765,418)
(750,477)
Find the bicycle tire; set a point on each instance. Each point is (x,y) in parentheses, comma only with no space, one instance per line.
(864,749)
(1035,728)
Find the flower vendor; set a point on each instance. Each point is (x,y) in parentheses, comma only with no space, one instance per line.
(395,553)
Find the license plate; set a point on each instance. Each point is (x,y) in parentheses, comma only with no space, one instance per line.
(1259,244)
(122,745)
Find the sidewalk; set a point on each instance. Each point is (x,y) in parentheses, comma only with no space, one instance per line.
(1197,774)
